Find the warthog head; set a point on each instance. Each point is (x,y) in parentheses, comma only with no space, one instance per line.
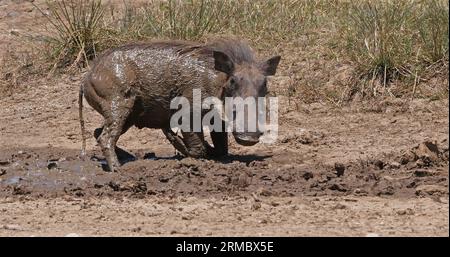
(245,80)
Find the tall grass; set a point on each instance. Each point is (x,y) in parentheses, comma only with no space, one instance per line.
(76,29)
(388,39)
(83,27)
(385,41)
(193,19)
(167,19)
(433,28)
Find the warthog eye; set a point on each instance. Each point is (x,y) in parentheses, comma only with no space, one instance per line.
(232,80)
(233,83)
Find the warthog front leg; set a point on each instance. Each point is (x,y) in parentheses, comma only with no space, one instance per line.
(220,141)
(196,144)
(191,144)
(176,141)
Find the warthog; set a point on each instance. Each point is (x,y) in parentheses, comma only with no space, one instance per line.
(135,83)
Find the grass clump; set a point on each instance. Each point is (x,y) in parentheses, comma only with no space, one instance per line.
(390,39)
(166,19)
(76,30)
(194,19)
(433,30)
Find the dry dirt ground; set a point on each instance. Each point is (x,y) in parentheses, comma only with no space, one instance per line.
(365,169)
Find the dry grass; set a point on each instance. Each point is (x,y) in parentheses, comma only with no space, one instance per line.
(392,39)
(76,30)
(269,20)
(332,50)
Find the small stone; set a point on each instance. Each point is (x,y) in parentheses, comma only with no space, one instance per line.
(274,204)
(379,164)
(388,190)
(12,14)
(288,166)
(114,186)
(427,190)
(408,211)
(411,165)
(408,157)
(189,162)
(149,156)
(307,175)
(443,200)
(338,187)
(372,235)
(339,206)
(264,192)
(339,168)
(359,191)
(52,165)
(163,179)
(285,177)
(423,173)
(136,230)
(423,162)
(4,163)
(256,206)
(395,165)
(12,227)
(428,150)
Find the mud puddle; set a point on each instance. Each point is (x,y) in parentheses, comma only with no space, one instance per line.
(420,171)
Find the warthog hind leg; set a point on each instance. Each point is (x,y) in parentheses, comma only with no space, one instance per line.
(123,155)
(115,121)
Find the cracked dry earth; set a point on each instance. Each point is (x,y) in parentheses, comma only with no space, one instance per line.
(363,170)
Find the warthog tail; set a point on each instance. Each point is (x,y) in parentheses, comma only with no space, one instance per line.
(83,134)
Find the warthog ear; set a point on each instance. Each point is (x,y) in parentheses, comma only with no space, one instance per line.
(223,63)
(269,67)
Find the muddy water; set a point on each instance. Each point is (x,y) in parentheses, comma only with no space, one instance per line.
(39,173)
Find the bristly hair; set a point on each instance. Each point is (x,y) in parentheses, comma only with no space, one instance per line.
(237,49)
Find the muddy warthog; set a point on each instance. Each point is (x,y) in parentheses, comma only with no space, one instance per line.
(134,85)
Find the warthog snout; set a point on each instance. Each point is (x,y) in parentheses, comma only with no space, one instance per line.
(247,138)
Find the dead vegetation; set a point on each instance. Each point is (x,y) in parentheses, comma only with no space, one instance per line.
(333,51)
